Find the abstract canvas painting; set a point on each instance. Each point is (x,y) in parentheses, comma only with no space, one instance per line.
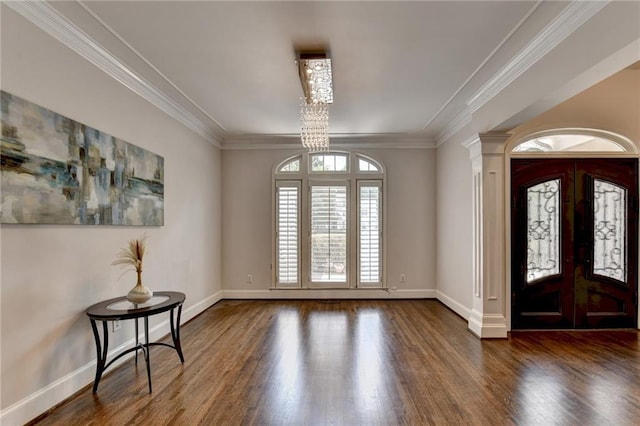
(58,171)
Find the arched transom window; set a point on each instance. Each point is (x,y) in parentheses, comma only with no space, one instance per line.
(328,221)
(573,140)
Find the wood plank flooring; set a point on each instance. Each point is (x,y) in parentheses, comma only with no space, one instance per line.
(408,362)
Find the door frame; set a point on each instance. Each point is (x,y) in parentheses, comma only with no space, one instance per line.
(631,151)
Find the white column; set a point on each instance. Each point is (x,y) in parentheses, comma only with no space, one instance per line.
(488,314)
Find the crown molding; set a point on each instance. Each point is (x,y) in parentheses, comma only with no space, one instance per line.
(59,27)
(441,138)
(470,141)
(400,141)
(454,126)
(569,20)
(473,145)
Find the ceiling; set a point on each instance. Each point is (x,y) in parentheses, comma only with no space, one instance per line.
(401,69)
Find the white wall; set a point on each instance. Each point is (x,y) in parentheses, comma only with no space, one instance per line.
(246,213)
(454,242)
(51,274)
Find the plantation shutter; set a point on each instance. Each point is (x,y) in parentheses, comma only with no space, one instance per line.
(329,233)
(369,232)
(288,233)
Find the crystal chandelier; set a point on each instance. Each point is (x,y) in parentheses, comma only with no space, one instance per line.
(315,76)
(314,131)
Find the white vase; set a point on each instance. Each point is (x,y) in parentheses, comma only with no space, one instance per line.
(139,294)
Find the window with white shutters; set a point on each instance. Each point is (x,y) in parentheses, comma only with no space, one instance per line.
(369,232)
(329,216)
(288,233)
(328,221)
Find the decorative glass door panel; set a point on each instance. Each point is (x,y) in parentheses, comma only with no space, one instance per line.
(574,243)
(609,230)
(543,230)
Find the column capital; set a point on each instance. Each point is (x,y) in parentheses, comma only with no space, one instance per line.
(493,142)
(485,144)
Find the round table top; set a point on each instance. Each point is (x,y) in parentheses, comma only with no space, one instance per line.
(120,308)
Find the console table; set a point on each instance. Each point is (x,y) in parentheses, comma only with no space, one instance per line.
(120,308)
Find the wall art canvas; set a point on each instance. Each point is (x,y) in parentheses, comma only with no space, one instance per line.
(58,171)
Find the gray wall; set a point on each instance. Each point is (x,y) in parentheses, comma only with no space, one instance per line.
(454,247)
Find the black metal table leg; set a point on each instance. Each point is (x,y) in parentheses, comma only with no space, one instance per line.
(148,351)
(175,333)
(100,350)
(137,343)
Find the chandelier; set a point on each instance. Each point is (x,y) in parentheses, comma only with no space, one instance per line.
(315,76)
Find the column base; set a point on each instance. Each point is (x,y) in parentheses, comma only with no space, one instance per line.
(487,326)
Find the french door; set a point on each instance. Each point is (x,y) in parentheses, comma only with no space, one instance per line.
(574,243)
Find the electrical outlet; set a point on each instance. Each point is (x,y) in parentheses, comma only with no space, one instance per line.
(249,278)
(115,325)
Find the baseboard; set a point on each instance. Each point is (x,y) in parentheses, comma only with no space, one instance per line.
(49,396)
(196,309)
(454,305)
(329,294)
(488,326)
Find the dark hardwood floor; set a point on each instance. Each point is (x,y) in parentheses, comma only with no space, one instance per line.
(366,362)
